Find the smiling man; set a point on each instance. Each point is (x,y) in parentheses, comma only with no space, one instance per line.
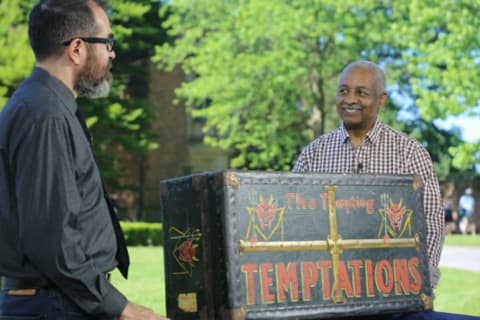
(363,144)
(59,235)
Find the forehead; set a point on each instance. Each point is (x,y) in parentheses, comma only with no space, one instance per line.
(101,20)
(357,76)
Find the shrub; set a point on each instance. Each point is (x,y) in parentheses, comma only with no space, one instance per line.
(142,233)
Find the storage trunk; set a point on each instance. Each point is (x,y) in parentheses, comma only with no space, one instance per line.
(265,245)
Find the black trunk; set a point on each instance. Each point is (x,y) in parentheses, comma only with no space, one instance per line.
(263,245)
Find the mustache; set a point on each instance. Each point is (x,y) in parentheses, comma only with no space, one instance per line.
(346,106)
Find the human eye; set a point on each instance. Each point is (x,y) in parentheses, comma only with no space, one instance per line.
(363,93)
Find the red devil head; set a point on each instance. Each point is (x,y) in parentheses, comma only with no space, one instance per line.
(187,251)
(396,211)
(266,212)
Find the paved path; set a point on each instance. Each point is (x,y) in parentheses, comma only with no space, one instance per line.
(466,258)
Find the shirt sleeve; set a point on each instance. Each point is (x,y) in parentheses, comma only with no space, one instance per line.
(49,206)
(302,162)
(434,218)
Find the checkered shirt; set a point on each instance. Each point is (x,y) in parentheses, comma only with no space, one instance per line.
(383,151)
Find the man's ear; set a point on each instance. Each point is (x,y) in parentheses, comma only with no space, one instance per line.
(382,99)
(75,51)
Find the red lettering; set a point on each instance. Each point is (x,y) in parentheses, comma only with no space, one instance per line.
(266,282)
(324,197)
(343,280)
(369,278)
(324,266)
(249,270)
(402,281)
(309,278)
(357,285)
(279,283)
(300,202)
(290,197)
(297,201)
(287,281)
(384,277)
(416,283)
(370,206)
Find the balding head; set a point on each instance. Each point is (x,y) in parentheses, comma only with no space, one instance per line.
(376,71)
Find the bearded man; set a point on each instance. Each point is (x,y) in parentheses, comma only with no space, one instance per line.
(59,236)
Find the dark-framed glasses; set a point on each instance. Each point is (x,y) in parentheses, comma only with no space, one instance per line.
(109,42)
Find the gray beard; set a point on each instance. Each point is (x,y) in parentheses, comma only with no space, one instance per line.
(87,88)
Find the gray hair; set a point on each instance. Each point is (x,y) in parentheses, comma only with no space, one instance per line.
(378,73)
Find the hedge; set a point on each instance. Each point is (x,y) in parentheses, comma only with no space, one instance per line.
(142,233)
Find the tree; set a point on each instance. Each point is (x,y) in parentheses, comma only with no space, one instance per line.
(16,57)
(262,74)
(439,61)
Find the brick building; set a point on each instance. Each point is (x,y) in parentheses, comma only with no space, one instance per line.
(180,151)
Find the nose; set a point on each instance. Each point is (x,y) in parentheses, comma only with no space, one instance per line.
(112,54)
(349,98)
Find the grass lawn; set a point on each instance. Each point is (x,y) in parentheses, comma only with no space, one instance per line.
(145,284)
(463,240)
(458,290)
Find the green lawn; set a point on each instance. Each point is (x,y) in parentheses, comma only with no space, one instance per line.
(462,240)
(457,292)
(145,284)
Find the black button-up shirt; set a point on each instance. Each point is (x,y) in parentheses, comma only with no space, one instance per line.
(54,221)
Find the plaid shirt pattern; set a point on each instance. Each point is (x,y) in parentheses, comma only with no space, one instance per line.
(383,151)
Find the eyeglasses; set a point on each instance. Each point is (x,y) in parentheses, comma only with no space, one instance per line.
(109,42)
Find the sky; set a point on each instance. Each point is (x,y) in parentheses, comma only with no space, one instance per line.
(470,126)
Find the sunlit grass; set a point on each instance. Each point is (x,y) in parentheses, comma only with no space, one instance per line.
(145,284)
(463,240)
(458,292)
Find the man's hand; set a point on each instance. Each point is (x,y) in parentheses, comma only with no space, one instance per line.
(135,311)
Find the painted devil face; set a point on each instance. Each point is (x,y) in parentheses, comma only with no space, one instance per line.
(395,213)
(266,213)
(187,251)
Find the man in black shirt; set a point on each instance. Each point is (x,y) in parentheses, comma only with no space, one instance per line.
(59,237)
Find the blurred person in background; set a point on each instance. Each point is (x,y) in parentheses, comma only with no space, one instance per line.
(466,210)
(450,216)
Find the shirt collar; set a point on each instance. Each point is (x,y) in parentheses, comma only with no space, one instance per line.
(372,135)
(57,86)
(344,136)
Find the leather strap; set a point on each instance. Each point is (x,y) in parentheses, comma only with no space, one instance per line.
(8,283)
